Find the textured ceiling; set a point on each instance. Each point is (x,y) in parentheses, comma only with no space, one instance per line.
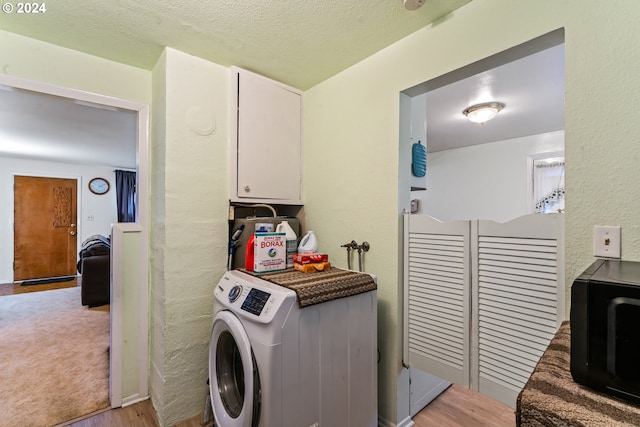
(298,42)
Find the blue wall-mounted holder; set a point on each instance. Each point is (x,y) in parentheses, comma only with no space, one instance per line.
(418,160)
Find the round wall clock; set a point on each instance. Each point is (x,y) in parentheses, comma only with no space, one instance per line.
(99,186)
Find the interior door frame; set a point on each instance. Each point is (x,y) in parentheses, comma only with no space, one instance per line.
(142,221)
(78,179)
(536,44)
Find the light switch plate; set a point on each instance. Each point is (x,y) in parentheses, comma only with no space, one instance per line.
(606,241)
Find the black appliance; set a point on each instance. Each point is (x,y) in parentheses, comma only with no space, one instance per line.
(605,328)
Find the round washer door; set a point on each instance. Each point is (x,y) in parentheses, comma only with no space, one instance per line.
(231,369)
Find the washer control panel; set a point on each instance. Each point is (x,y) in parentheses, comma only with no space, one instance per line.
(255,301)
(252,297)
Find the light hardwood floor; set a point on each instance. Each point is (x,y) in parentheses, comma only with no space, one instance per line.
(459,407)
(17,288)
(140,414)
(456,407)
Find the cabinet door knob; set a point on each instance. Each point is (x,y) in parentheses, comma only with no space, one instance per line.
(246,189)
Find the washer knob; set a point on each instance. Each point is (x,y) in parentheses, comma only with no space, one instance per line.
(234,293)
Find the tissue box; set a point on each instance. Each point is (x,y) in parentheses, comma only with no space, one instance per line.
(269,252)
(310,258)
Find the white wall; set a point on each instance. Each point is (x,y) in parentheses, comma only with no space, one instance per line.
(101,208)
(486,181)
(418,134)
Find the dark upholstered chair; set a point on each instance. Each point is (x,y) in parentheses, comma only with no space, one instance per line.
(94,267)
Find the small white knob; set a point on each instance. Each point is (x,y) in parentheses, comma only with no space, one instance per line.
(246,189)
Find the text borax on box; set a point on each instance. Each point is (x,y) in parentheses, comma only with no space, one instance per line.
(269,252)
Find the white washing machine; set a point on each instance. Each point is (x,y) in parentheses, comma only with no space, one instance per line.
(274,364)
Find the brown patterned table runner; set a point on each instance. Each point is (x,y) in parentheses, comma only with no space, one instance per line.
(321,286)
(552,399)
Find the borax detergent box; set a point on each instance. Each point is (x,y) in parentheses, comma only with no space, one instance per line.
(269,252)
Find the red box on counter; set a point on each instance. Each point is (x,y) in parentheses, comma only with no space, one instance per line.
(310,258)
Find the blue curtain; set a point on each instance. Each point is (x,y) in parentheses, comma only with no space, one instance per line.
(126,195)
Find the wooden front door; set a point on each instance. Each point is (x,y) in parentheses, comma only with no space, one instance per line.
(45,231)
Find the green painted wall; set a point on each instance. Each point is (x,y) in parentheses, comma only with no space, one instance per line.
(602,153)
(32,59)
(352,123)
(189,233)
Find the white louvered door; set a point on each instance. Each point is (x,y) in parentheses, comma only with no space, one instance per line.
(437,296)
(482,299)
(518,300)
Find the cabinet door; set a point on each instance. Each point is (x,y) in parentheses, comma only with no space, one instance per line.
(268,140)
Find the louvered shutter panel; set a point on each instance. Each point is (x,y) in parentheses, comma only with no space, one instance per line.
(518,303)
(437,295)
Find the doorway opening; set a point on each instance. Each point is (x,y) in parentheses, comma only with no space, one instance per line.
(480,171)
(66,160)
(487,166)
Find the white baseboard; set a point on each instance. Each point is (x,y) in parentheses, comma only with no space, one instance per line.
(423,401)
(407,422)
(134,398)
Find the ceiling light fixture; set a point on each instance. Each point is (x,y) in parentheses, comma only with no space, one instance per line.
(480,113)
(413,4)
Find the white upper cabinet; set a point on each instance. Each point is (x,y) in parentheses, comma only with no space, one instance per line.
(266,140)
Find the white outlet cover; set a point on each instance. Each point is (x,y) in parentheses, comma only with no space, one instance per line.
(606,241)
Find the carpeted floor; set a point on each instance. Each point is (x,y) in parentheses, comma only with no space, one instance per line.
(54,358)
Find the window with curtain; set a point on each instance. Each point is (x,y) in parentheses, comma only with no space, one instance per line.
(126,195)
(548,185)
